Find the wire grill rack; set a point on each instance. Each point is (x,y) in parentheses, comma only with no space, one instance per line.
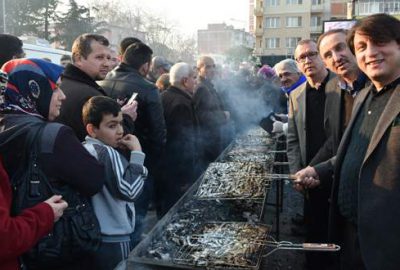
(231,245)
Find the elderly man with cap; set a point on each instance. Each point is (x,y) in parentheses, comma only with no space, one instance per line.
(159,65)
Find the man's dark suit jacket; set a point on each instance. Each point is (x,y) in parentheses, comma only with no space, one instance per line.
(379,186)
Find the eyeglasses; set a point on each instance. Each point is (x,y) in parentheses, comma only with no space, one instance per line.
(309,55)
(210,66)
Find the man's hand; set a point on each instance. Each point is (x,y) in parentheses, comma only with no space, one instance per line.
(277,127)
(131,142)
(58,205)
(281,117)
(307,177)
(130,109)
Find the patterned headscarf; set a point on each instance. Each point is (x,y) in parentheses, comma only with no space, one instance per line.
(30,86)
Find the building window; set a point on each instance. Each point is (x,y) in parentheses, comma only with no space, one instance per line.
(272,22)
(291,42)
(316,2)
(368,8)
(293,21)
(271,3)
(316,21)
(272,43)
(294,2)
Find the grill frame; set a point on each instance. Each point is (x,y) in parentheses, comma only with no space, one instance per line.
(233,176)
(138,258)
(217,262)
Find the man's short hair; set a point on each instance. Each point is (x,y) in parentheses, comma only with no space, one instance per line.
(330,32)
(65,57)
(82,44)
(160,61)
(96,107)
(289,64)
(10,47)
(137,54)
(124,44)
(178,72)
(202,61)
(303,42)
(380,28)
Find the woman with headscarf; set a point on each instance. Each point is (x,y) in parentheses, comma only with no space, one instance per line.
(21,232)
(30,99)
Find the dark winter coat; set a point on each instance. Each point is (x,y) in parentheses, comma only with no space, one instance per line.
(379,186)
(121,83)
(78,87)
(211,115)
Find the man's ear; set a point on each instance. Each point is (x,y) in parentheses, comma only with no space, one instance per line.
(91,130)
(145,68)
(77,60)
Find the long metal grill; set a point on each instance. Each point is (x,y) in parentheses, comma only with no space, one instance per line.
(180,227)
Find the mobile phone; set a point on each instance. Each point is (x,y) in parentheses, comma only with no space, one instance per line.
(133,97)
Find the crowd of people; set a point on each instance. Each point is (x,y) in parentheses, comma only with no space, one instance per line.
(131,131)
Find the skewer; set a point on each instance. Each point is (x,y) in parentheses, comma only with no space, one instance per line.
(280,163)
(278,152)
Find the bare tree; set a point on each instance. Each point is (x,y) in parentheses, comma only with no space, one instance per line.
(161,34)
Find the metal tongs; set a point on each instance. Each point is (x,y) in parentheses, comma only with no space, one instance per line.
(323,247)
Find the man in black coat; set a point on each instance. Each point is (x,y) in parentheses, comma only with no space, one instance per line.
(213,118)
(91,62)
(181,155)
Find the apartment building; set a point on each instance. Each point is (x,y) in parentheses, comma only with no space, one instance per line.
(280,24)
(364,8)
(218,38)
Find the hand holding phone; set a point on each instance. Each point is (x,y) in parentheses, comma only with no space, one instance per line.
(133,97)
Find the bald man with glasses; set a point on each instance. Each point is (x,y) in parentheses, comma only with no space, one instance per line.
(306,135)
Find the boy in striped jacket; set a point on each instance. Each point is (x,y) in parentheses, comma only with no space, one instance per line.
(114,205)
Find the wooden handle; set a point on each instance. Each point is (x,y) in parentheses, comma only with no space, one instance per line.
(317,246)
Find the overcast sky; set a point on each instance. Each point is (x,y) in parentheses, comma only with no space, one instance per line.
(191,15)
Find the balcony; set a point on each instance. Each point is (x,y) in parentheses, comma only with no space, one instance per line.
(317,8)
(259,11)
(259,32)
(316,29)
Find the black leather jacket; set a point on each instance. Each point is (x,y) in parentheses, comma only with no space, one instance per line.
(150,128)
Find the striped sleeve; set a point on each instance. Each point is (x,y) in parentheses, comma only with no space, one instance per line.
(127,178)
